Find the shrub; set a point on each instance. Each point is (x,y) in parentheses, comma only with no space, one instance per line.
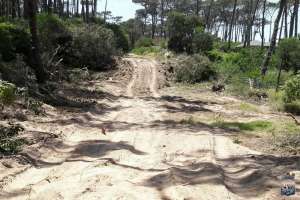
(181,30)
(144,42)
(293,107)
(93,47)
(276,100)
(289,52)
(163,44)
(52,32)
(13,40)
(7,93)
(9,143)
(146,50)
(202,42)
(194,69)
(120,37)
(292,89)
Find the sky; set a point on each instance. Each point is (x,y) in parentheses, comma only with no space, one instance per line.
(124,8)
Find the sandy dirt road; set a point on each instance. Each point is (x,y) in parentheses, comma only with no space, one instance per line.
(144,156)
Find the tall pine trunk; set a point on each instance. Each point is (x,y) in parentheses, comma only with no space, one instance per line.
(296,17)
(264,67)
(35,58)
(263,25)
(231,23)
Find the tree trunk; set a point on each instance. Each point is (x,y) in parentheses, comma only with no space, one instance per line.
(250,24)
(292,20)
(231,23)
(264,67)
(105,11)
(263,25)
(95,8)
(281,28)
(87,12)
(296,17)
(286,21)
(279,75)
(35,58)
(162,18)
(207,24)
(198,2)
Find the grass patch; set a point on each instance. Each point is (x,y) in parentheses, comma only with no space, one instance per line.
(276,100)
(244,126)
(153,50)
(248,107)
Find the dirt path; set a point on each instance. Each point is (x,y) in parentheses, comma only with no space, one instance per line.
(145,155)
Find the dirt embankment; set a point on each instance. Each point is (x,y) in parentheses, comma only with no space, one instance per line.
(146,153)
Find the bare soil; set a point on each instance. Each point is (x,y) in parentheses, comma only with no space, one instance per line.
(147,152)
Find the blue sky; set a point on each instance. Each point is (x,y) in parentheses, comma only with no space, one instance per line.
(124,8)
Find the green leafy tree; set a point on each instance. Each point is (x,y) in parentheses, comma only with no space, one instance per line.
(181,31)
(289,53)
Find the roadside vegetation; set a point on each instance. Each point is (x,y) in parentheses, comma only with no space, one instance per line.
(195,53)
(199,43)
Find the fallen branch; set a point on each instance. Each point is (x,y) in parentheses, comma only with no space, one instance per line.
(294,118)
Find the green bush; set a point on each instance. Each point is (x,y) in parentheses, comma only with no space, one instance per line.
(52,32)
(194,69)
(13,40)
(9,143)
(163,44)
(289,53)
(120,37)
(181,29)
(292,89)
(146,50)
(93,47)
(202,42)
(144,42)
(293,107)
(276,100)
(7,93)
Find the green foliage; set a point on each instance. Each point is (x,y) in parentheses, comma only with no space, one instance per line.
(7,93)
(120,37)
(292,89)
(194,69)
(181,30)
(202,42)
(146,50)
(9,143)
(289,53)
(144,42)
(52,32)
(93,47)
(35,106)
(276,100)
(13,40)
(245,126)
(163,44)
(293,107)
(248,107)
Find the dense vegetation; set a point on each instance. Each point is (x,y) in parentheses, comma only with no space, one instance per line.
(217,41)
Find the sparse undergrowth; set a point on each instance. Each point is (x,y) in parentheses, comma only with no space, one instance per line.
(283,134)
(9,141)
